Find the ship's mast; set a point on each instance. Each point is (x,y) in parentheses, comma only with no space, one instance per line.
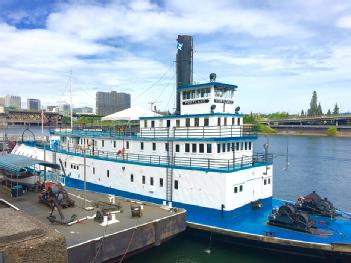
(70,93)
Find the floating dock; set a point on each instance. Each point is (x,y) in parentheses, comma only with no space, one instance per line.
(24,218)
(330,241)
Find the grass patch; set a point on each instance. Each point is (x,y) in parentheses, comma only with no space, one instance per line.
(332,131)
(261,128)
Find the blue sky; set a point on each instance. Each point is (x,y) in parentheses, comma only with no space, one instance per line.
(277,52)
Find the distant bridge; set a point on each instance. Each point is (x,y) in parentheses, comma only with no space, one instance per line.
(332,120)
(311,124)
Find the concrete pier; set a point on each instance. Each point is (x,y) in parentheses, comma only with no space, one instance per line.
(87,240)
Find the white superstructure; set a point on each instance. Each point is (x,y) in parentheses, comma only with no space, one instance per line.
(203,157)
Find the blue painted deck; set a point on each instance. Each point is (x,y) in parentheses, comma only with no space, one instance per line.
(244,219)
(254,222)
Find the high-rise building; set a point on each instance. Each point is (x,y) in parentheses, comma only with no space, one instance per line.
(2,101)
(53,108)
(184,62)
(83,110)
(111,102)
(13,102)
(65,109)
(33,104)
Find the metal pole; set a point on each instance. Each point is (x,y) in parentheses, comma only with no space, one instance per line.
(70,92)
(85,175)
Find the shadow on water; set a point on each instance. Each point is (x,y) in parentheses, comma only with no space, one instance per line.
(186,248)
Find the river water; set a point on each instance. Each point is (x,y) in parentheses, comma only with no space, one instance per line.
(301,164)
(314,163)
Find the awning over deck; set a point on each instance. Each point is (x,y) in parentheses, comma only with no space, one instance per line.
(14,163)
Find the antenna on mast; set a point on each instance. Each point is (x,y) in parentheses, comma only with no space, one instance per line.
(152,105)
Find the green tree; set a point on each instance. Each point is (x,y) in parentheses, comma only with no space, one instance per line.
(329,112)
(302,113)
(313,110)
(319,110)
(336,109)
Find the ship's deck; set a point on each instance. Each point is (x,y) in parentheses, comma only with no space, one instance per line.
(254,222)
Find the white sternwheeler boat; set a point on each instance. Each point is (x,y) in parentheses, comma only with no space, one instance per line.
(201,159)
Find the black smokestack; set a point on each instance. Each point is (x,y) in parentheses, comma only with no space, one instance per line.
(184,64)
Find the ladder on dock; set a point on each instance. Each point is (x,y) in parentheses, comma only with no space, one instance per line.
(169,170)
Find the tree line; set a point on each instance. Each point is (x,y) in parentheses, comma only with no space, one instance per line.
(316,108)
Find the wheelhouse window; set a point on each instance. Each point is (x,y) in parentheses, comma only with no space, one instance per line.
(177,123)
(177,148)
(141,145)
(151,181)
(127,144)
(250,145)
(201,148)
(206,122)
(196,122)
(166,146)
(245,145)
(237,146)
(235,189)
(219,121)
(238,121)
(108,173)
(132,177)
(187,122)
(143,179)
(233,121)
(145,123)
(218,148)
(209,148)
(241,146)
(152,124)
(223,147)
(176,184)
(161,182)
(168,123)
(102,143)
(240,188)
(154,146)
(225,121)
(193,147)
(187,147)
(114,144)
(93,170)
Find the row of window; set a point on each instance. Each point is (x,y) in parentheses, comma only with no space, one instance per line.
(196,94)
(267,181)
(239,188)
(143,181)
(229,147)
(196,122)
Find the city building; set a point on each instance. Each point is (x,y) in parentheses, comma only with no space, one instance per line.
(33,104)
(53,108)
(65,109)
(111,102)
(2,101)
(83,110)
(13,102)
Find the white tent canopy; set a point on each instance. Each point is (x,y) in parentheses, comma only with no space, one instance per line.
(133,113)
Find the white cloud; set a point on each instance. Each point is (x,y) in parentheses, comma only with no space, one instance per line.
(344,22)
(127,46)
